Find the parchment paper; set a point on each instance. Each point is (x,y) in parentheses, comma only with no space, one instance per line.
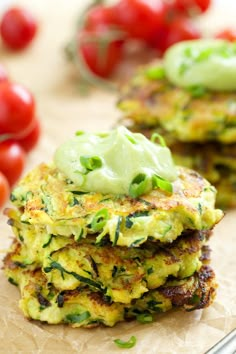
(62,111)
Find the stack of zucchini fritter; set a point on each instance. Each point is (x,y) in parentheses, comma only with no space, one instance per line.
(199,125)
(89,258)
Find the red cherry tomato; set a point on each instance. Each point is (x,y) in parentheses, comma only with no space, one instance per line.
(181,29)
(227,34)
(12,158)
(3,74)
(18,27)
(4,190)
(192,6)
(16,109)
(101,59)
(99,16)
(29,141)
(139,18)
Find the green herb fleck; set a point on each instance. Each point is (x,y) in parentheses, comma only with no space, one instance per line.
(13,198)
(153,305)
(12,281)
(150,270)
(199,208)
(56,265)
(128,222)
(137,242)
(77,318)
(21,238)
(78,236)
(204,54)
(117,233)
(197,91)
(183,68)
(79,132)
(144,318)
(47,243)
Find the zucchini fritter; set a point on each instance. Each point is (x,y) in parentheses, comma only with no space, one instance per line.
(120,273)
(189,115)
(198,125)
(85,307)
(86,258)
(51,204)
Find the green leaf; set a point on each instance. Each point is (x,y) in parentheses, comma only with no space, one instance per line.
(90,163)
(77,318)
(163,184)
(129,344)
(99,220)
(159,137)
(139,185)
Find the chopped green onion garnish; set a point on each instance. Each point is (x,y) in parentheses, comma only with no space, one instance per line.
(144,318)
(197,91)
(79,132)
(129,344)
(188,52)
(183,67)
(155,73)
(159,182)
(204,54)
(159,137)
(102,135)
(90,163)
(139,185)
(131,139)
(99,220)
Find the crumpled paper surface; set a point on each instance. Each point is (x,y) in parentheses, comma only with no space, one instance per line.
(62,111)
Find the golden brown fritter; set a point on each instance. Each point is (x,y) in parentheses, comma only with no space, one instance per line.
(51,204)
(84,307)
(190,115)
(120,273)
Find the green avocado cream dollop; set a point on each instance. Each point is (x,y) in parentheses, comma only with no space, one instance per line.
(206,62)
(117,162)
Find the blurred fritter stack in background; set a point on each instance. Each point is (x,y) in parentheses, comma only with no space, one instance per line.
(199,125)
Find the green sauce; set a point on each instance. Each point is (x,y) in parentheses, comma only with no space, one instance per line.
(109,162)
(206,62)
